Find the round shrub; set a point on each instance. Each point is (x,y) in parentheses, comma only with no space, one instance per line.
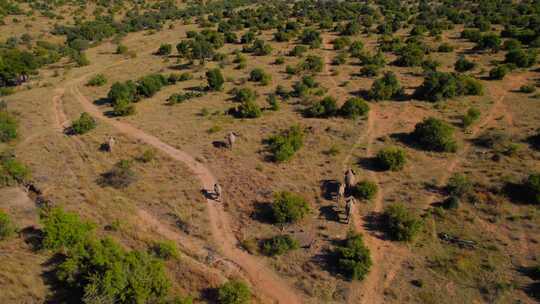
(391,158)
(215,79)
(365,190)
(325,108)
(279,245)
(354,258)
(234,292)
(386,87)
(401,225)
(354,107)
(248,109)
(8,127)
(451,202)
(289,207)
(84,124)
(435,135)
(498,72)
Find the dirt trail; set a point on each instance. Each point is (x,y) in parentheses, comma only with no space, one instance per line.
(265,280)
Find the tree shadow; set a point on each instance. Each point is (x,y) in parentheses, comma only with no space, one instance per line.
(517,193)
(102,101)
(181,66)
(406,139)
(370,163)
(374,223)
(219,144)
(329,188)
(330,213)
(263,212)
(327,260)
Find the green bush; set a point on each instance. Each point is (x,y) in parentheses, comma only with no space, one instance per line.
(527,88)
(324,108)
(283,146)
(97,81)
(387,87)
(149,85)
(259,75)
(101,271)
(234,292)
(84,124)
(472,115)
(532,188)
(12,171)
(498,72)
(125,92)
(521,58)
(463,65)
(298,51)
(8,126)
(164,49)
(123,107)
(7,228)
(435,135)
(354,258)
(215,79)
(121,49)
(248,109)
(289,207)
(400,223)
(64,230)
(166,250)
(451,202)
(354,107)
(244,94)
(410,55)
(365,190)
(391,158)
(279,245)
(312,64)
(439,86)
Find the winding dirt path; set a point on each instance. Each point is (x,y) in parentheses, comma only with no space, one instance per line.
(267,282)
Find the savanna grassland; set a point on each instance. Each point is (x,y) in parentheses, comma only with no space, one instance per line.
(365,151)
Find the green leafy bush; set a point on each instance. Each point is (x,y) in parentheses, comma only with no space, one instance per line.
(391,158)
(149,85)
(8,126)
(464,65)
(401,225)
(445,48)
(498,72)
(123,107)
(64,230)
(234,292)
(97,81)
(435,135)
(312,64)
(166,250)
(101,271)
(279,245)
(125,92)
(324,108)
(472,115)
(365,190)
(7,228)
(84,124)
(410,55)
(439,86)
(259,75)
(283,146)
(248,109)
(215,79)
(354,107)
(354,258)
(289,207)
(244,94)
(387,87)
(164,49)
(521,58)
